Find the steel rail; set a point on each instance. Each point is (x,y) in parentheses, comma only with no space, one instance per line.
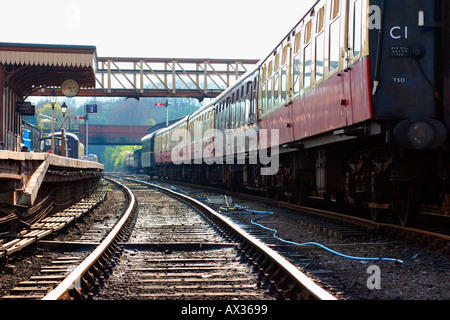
(298,284)
(76,280)
(369,224)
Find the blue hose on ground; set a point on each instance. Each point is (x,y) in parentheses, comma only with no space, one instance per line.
(268,213)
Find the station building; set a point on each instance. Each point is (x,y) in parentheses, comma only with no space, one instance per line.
(28,68)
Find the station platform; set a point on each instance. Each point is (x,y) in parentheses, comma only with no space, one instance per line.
(24,174)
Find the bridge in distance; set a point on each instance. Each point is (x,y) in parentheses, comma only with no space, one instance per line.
(113,135)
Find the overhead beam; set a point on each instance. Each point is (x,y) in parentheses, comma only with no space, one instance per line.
(129,93)
(163,77)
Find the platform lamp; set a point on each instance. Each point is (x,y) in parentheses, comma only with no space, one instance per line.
(63,131)
(64,109)
(53,98)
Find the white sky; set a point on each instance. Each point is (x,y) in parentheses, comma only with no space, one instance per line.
(165,28)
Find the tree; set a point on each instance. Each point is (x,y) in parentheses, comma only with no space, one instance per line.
(44,115)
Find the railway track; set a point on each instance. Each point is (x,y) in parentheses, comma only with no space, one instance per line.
(67,255)
(431,230)
(401,254)
(176,251)
(180,260)
(173,253)
(52,223)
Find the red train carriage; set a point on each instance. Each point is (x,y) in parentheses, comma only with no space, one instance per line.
(353,91)
(315,88)
(351,105)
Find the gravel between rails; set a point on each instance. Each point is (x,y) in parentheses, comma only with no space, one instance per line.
(193,270)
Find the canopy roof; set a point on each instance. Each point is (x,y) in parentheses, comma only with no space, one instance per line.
(30,67)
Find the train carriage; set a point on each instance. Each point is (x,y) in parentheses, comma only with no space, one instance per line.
(358,106)
(199,139)
(128,161)
(73,148)
(351,103)
(163,157)
(148,149)
(137,160)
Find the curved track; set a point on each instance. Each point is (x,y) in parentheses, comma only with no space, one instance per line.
(231,250)
(80,280)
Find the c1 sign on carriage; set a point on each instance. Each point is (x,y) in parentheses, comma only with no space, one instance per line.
(91,108)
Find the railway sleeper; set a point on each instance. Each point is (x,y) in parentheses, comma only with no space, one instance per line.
(276,279)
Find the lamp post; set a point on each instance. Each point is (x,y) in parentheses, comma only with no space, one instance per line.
(53,102)
(63,131)
(64,110)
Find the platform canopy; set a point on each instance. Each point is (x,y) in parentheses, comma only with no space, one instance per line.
(31,67)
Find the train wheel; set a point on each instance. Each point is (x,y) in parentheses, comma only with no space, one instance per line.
(407,204)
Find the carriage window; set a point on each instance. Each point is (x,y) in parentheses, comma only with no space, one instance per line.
(334,45)
(236,114)
(222,120)
(233,114)
(308,32)
(296,80)
(307,66)
(297,43)
(263,99)
(335,9)
(204,123)
(283,83)
(217,118)
(307,57)
(242,111)
(227,114)
(296,84)
(237,109)
(277,62)
(357,24)
(320,44)
(284,80)
(320,20)
(243,103)
(269,96)
(319,56)
(276,86)
(211,118)
(247,106)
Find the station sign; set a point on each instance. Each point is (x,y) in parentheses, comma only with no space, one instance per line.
(25,108)
(91,108)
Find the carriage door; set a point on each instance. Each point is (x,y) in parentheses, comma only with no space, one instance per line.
(351,54)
